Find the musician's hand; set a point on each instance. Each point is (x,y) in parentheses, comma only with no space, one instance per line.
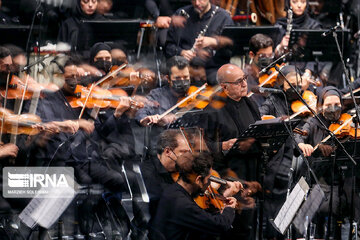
(252,187)
(89,70)
(306,79)
(246,144)
(51,128)
(123,106)
(203,42)
(203,54)
(326,150)
(232,188)
(86,126)
(231,202)
(285,41)
(153,119)
(8,150)
(178,21)
(246,203)
(307,149)
(188,54)
(167,119)
(163,22)
(226,145)
(68,126)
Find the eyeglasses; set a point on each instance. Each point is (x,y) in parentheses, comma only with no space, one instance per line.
(263,55)
(239,81)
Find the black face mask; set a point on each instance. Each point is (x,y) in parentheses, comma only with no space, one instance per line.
(103,65)
(71,82)
(263,62)
(181,86)
(291,94)
(198,82)
(332,113)
(116,62)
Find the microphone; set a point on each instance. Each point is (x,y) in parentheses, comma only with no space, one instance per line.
(36,62)
(331,30)
(257,89)
(265,69)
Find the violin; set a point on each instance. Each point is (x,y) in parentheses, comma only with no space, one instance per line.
(299,108)
(210,95)
(27,124)
(101,98)
(18,89)
(211,199)
(342,128)
(268,79)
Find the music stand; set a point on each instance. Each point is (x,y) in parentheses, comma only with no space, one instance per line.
(241,36)
(16,34)
(93,31)
(271,134)
(313,47)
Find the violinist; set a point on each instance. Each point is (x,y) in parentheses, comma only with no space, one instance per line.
(179,216)
(168,96)
(330,107)
(261,54)
(276,104)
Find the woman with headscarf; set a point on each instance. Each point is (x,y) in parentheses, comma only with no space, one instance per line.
(69,30)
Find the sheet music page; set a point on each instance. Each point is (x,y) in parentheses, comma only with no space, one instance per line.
(291,205)
(46,211)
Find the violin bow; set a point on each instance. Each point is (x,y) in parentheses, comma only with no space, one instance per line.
(107,76)
(185,136)
(335,131)
(182,101)
(5,102)
(192,105)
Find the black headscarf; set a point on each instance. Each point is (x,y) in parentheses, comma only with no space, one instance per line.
(80,15)
(303,21)
(328,91)
(97,47)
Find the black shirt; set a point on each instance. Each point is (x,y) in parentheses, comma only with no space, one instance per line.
(179,217)
(156,179)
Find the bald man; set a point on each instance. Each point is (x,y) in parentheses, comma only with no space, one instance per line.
(223,126)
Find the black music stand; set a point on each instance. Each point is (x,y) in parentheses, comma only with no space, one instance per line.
(313,47)
(93,31)
(241,36)
(16,34)
(271,135)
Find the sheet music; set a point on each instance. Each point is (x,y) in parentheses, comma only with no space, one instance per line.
(291,205)
(309,208)
(45,211)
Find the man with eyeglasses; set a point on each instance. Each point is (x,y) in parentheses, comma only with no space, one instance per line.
(261,54)
(222,128)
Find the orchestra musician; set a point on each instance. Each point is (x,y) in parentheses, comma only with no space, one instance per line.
(261,55)
(179,217)
(188,42)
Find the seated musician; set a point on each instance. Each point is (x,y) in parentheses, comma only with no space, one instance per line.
(330,107)
(168,96)
(261,55)
(100,57)
(276,104)
(179,217)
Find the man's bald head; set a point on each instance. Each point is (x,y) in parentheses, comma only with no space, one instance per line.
(226,72)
